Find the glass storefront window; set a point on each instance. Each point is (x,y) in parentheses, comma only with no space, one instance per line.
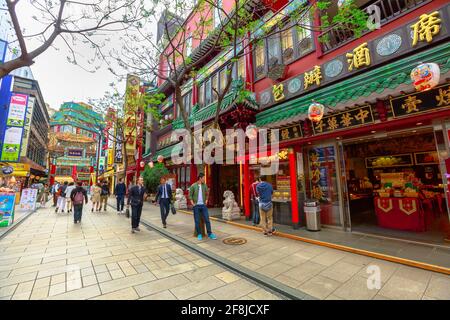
(260,60)
(287,45)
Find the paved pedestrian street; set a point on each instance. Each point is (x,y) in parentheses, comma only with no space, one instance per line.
(50,257)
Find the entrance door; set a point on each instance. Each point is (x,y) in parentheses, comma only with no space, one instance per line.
(324,182)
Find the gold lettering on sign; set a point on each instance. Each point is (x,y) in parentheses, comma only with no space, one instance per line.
(443,98)
(360,57)
(362,116)
(411,103)
(319,126)
(313,77)
(332,123)
(278,92)
(428,26)
(346,119)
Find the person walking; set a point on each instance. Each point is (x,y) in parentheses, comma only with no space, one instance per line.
(164,195)
(119,191)
(54,192)
(44,198)
(265,191)
(198,195)
(95,197)
(104,195)
(136,199)
(77,196)
(61,205)
(69,190)
(255,202)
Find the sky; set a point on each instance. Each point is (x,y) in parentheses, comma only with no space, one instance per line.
(59,80)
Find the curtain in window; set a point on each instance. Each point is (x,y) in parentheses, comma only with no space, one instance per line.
(274,50)
(287,45)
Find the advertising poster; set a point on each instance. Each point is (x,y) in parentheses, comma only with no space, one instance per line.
(28,199)
(11,144)
(17,110)
(26,128)
(7,201)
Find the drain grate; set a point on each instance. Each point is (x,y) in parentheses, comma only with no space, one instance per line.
(234,241)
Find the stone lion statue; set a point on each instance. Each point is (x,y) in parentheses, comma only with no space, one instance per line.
(180,199)
(230,210)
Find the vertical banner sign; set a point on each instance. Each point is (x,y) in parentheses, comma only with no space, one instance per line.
(118,153)
(7,201)
(17,110)
(130,133)
(27,126)
(14,127)
(11,144)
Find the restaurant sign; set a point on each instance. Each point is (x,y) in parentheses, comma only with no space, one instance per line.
(288,133)
(345,120)
(66,161)
(421,32)
(421,102)
(75,152)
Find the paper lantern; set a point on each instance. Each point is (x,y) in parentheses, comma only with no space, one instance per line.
(315,112)
(142,164)
(425,76)
(160,158)
(251,131)
(150,164)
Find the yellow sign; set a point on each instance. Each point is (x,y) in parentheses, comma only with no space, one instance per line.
(313,77)
(278,92)
(359,58)
(428,26)
(132,88)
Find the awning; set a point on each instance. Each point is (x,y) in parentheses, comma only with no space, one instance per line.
(386,79)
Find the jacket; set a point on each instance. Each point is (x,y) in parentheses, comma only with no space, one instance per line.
(265,192)
(136,198)
(120,189)
(105,190)
(253,192)
(160,192)
(193,192)
(76,190)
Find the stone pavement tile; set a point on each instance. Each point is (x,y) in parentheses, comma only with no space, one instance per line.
(172,270)
(439,288)
(227,277)
(355,289)
(6,298)
(380,297)
(116,274)
(21,296)
(404,289)
(112,266)
(74,284)
(156,286)
(250,265)
(203,296)
(196,288)
(333,297)
(267,258)
(40,293)
(319,287)
(92,257)
(341,271)
(89,280)
(8,290)
(141,268)
(413,274)
(123,294)
(386,268)
(57,289)
(172,261)
(130,281)
(124,264)
(58,270)
(129,271)
(164,295)
(202,262)
(110,259)
(43,282)
(204,272)
(428,298)
(25,287)
(329,258)
(87,271)
(38,267)
(80,294)
(274,269)
(162,264)
(100,268)
(358,260)
(293,260)
(262,294)
(58,278)
(233,290)
(135,262)
(291,282)
(304,271)
(18,279)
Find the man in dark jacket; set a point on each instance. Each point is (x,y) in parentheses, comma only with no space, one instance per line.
(136,199)
(119,191)
(77,196)
(164,195)
(104,195)
(265,191)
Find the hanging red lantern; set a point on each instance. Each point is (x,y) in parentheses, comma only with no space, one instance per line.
(425,76)
(160,158)
(142,164)
(315,112)
(251,131)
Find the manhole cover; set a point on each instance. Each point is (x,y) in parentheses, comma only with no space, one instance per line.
(235,241)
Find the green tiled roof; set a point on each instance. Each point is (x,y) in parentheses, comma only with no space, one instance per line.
(386,77)
(206,113)
(167,152)
(77,115)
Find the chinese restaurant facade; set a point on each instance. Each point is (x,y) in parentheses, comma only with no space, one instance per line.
(378,160)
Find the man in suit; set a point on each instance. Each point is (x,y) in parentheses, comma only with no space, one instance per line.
(164,195)
(119,191)
(136,199)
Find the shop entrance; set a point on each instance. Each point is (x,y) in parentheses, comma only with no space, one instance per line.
(224,177)
(394,186)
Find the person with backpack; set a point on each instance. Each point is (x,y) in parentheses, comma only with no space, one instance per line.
(104,195)
(255,206)
(120,191)
(61,198)
(68,199)
(265,191)
(78,196)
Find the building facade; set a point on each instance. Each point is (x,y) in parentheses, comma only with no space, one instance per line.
(378,160)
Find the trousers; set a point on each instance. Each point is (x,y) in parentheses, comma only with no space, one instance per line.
(77,212)
(164,207)
(120,202)
(266,219)
(136,212)
(200,210)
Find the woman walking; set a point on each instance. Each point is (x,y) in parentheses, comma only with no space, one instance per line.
(95,198)
(45,194)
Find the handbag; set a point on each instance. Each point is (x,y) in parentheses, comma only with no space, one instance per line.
(172,208)
(127,212)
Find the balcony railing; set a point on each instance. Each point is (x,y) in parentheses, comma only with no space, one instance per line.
(389,10)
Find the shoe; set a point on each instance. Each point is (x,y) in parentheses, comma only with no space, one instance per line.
(164,226)
(137,229)
(199,237)
(92,210)
(212,236)
(269,234)
(132,230)
(265,233)
(56,210)
(75,222)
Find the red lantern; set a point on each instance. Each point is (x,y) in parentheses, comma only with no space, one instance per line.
(142,164)
(315,112)
(160,158)
(425,76)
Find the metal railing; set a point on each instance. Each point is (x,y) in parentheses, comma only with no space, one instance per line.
(389,10)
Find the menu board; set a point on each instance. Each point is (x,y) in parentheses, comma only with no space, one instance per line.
(7,201)
(28,199)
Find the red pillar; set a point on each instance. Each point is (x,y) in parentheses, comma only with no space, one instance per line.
(316,34)
(91,170)
(249,79)
(294,194)
(74,173)
(193,173)
(247,189)
(52,174)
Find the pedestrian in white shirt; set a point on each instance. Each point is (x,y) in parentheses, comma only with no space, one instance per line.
(69,190)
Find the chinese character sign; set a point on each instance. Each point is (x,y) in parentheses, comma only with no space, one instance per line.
(344,120)
(130,114)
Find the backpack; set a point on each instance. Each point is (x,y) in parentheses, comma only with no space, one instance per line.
(63,191)
(78,199)
(104,192)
